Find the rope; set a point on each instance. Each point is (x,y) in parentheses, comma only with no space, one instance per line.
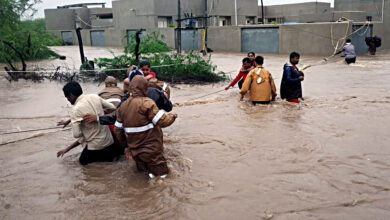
(32,130)
(78,71)
(11,142)
(207,95)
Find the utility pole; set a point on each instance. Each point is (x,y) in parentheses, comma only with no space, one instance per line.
(205,15)
(235,11)
(178,27)
(262,12)
(80,40)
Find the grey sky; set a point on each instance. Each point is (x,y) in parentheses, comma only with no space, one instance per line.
(54,3)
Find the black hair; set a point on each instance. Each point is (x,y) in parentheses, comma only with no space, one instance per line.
(246,60)
(259,60)
(253,53)
(348,41)
(135,73)
(73,88)
(144,63)
(294,55)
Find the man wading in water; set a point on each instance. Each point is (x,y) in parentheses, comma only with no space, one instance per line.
(260,83)
(138,127)
(291,88)
(95,138)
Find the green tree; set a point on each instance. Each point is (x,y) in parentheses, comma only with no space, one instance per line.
(23,40)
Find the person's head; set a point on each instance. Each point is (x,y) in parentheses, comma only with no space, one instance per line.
(139,86)
(259,60)
(251,56)
(145,67)
(72,91)
(111,81)
(294,58)
(348,41)
(246,63)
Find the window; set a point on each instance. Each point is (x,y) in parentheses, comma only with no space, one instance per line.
(163,22)
(250,20)
(67,37)
(225,21)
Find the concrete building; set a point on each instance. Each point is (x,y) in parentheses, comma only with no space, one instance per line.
(107,27)
(309,12)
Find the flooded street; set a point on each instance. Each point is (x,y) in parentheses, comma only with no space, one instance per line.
(327,158)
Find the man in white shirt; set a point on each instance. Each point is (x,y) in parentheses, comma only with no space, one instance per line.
(95,138)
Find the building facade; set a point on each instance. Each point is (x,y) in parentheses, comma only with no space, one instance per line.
(230,28)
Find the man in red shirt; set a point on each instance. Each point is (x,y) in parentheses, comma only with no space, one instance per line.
(246,68)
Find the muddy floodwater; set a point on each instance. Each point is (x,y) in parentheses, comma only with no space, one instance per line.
(327,158)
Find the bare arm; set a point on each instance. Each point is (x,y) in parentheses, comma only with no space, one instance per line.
(66,150)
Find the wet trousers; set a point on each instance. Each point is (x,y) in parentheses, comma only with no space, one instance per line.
(350,60)
(107,154)
(151,163)
(261,102)
(293,101)
(240,83)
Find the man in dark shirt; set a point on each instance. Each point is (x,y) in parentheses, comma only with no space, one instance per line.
(291,88)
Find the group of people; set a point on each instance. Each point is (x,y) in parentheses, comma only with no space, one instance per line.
(258,80)
(349,49)
(128,121)
(124,121)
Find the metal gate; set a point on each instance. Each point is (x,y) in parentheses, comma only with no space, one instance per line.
(189,39)
(358,39)
(67,37)
(97,38)
(142,36)
(260,40)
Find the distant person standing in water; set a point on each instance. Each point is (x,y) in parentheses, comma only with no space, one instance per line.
(252,56)
(349,52)
(240,78)
(291,88)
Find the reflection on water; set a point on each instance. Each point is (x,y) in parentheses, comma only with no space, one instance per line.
(326,158)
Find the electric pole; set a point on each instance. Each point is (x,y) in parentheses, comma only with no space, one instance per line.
(262,12)
(178,27)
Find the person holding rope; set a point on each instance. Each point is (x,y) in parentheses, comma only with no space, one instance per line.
(291,88)
(260,83)
(240,78)
(95,138)
(138,127)
(349,52)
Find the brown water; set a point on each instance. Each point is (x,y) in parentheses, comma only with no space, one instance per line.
(327,158)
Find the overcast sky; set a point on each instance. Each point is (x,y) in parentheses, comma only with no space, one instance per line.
(54,3)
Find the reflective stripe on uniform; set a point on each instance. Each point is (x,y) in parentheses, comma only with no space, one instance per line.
(158,116)
(113,100)
(164,87)
(118,125)
(139,129)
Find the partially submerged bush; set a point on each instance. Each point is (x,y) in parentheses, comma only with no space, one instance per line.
(169,67)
